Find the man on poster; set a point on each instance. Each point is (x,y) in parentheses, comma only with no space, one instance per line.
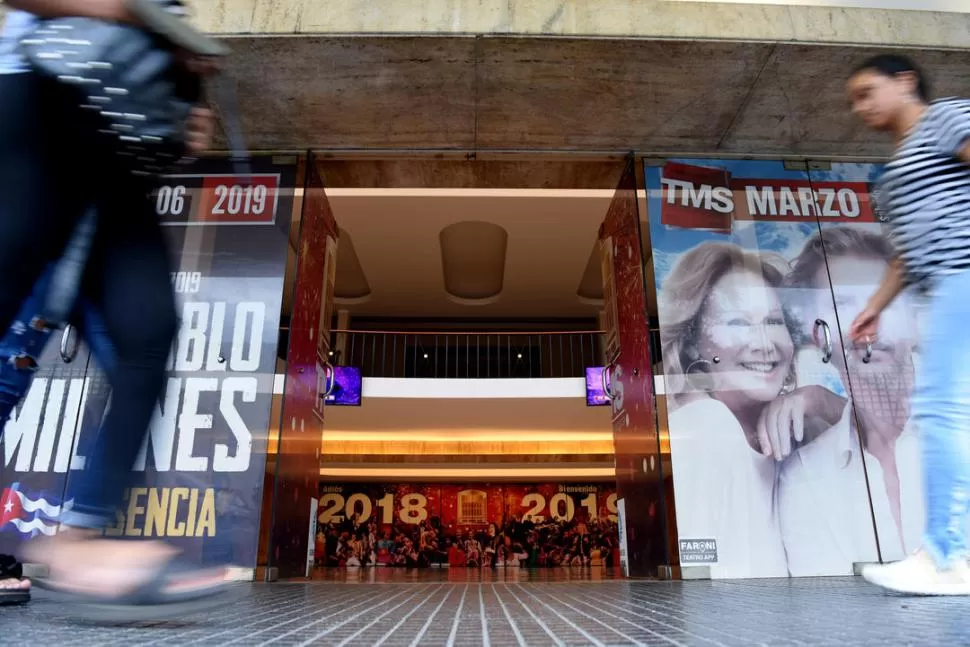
(823,506)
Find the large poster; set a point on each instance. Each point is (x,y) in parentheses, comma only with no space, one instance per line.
(199,474)
(774,424)
(473,525)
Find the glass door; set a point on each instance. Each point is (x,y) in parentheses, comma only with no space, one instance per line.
(756,405)
(851,250)
(629,378)
(309,379)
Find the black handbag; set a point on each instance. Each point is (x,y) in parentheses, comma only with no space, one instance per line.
(130,77)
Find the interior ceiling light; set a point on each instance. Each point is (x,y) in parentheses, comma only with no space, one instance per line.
(473,261)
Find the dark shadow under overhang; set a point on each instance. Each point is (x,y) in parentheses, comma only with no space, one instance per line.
(559,95)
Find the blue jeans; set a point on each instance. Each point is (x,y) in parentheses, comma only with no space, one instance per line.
(127,276)
(24,343)
(51,303)
(941,410)
(54,301)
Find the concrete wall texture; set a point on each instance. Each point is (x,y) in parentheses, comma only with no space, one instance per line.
(577,18)
(794,22)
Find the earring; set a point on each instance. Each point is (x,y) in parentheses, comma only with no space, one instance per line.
(698,374)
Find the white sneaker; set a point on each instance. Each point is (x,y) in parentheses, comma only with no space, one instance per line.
(918,574)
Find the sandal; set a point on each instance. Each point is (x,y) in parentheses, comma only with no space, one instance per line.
(11,569)
(175,589)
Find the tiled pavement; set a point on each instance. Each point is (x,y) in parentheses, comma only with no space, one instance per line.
(778,612)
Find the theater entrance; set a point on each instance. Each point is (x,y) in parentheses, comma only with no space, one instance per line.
(497,423)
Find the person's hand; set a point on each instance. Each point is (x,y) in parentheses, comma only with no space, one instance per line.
(199,130)
(782,421)
(796,418)
(201,65)
(865,326)
(111,10)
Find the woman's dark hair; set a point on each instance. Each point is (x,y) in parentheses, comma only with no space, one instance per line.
(892,65)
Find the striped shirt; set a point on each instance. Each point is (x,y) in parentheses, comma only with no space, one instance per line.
(926,190)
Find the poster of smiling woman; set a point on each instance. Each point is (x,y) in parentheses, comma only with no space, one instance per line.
(792,453)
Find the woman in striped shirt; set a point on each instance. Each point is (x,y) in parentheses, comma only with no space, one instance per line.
(925,192)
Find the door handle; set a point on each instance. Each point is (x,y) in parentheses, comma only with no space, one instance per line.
(826,337)
(606,377)
(68,350)
(332,373)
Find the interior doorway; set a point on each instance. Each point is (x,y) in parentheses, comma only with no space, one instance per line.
(511,278)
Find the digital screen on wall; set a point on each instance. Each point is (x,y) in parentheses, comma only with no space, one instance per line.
(595,395)
(347,387)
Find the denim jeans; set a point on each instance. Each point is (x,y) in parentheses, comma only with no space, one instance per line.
(24,343)
(941,410)
(53,302)
(127,276)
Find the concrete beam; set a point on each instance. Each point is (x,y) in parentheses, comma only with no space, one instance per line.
(602,18)
(585,18)
(540,94)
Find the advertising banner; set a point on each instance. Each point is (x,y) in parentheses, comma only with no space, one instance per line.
(621,532)
(474,525)
(199,476)
(311,537)
(774,423)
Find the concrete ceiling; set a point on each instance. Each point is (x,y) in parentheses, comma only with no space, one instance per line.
(527,243)
(499,94)
(392,212)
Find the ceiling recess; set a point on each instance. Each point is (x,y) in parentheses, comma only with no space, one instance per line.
(473,261)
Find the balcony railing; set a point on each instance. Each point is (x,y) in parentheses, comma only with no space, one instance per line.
(474,355)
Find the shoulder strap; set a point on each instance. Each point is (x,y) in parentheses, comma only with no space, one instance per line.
(166,20)
(225,95)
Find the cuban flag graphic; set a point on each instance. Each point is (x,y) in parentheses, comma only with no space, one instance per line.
(30,516)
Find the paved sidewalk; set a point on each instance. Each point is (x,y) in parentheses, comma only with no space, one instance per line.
(767,612)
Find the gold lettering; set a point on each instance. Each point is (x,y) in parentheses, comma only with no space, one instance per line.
(193,510)
(157,507)
(118,529)
(206,526)
(175,527)
(134,510)
(161,508)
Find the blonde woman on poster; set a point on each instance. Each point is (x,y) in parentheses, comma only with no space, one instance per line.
(825,514)
(735,413)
